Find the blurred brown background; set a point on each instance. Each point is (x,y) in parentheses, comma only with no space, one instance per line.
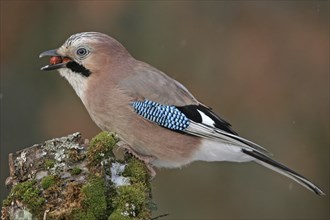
(263,66)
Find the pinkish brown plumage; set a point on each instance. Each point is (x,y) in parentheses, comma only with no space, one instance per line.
(154,114)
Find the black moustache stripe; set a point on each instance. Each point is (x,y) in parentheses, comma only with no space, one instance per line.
(77,68)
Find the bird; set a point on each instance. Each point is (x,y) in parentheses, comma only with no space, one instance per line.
(155,116)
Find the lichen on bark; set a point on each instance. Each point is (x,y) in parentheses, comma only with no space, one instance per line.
(68,178)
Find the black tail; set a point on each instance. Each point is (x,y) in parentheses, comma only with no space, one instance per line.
(280,168)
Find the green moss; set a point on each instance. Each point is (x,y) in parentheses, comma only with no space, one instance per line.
(6,201)
(100,147)
(28,193)
(131,201)
(48,181)
(94,205)
(49,163)
(80,214)
(117,215)
(75,171)
(136,171)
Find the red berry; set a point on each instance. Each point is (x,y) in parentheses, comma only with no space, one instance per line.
(66,59)
(55,60)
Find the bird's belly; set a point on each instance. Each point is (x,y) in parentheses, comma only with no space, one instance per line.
(168,148)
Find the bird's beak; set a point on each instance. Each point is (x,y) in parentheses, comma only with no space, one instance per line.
(56,61)
(49,53)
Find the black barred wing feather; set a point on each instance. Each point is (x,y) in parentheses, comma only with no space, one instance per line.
(167,116)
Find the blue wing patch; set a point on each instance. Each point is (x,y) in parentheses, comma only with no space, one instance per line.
(167,116)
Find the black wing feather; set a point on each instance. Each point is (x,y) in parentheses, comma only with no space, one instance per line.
(284,170)
(191,111)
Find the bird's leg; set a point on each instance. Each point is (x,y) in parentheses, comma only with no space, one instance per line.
(144,158)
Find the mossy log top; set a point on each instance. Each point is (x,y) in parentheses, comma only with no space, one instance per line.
(67,178)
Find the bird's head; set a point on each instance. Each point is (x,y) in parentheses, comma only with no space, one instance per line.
(85,55)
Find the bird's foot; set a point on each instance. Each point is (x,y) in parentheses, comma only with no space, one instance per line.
(144,158)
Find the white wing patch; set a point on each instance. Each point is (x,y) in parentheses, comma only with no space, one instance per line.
(206,119)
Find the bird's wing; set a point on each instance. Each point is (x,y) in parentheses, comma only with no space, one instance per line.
(200,121)
(154,93)
(196,120)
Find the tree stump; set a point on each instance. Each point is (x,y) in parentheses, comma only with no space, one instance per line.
(68,178)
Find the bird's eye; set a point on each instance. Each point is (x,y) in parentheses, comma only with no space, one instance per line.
(82,52)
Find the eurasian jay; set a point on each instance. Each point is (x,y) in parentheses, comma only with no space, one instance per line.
(154,114)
